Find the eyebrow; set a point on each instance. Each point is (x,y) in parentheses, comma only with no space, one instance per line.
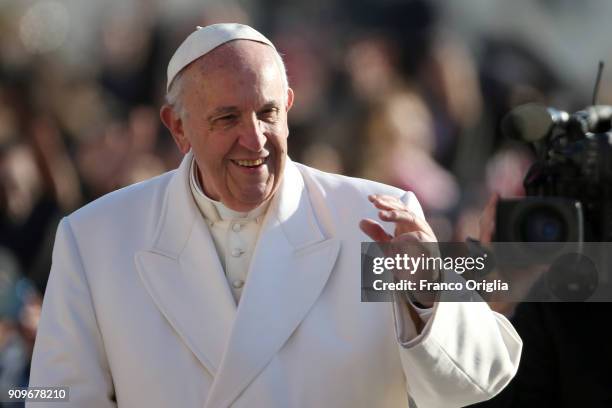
(231,109)
(221,110)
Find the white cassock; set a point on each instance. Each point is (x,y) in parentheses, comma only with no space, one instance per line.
(139,309)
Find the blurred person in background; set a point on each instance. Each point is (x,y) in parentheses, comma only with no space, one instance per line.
(399,143)
(38,182)
(224,282)
(29,214)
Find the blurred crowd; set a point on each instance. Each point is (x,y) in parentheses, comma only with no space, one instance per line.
(384,90)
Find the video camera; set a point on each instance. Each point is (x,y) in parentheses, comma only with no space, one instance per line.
(569,187)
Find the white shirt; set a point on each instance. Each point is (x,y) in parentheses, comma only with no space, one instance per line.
(234,233)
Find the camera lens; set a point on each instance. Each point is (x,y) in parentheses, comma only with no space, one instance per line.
(543,225)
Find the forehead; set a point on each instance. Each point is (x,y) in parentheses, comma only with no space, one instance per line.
(241,61)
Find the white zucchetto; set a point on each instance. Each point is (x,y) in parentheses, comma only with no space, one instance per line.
(205,39)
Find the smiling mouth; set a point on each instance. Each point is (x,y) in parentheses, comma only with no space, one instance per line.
(250,163)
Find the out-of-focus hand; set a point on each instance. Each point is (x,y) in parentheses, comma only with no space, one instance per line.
(487,220)
(485,236)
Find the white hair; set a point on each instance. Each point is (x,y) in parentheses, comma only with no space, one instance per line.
(173,95)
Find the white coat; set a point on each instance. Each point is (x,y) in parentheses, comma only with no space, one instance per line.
(138,310)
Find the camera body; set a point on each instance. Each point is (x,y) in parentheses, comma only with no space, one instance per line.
(569,186)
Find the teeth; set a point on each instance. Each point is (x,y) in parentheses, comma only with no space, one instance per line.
(250,163)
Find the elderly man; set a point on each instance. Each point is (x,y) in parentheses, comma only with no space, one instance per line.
(235,280)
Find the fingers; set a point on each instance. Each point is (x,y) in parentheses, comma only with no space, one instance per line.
(405,219)
(394,210)
(374,230)
(385,202)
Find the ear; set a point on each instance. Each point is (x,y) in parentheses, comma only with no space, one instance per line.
(289,99)
(172,120)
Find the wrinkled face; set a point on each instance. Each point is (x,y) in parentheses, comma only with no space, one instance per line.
(235,120)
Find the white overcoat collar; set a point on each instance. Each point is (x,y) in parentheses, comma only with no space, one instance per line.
(290,265)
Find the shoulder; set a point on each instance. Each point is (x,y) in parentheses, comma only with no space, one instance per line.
(344,184)
(126,205)
(350,193)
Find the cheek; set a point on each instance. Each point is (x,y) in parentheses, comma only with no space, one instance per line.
(278,136)
(212,147)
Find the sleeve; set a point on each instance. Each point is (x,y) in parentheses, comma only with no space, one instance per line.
(538,382)
(465,353)
(69,349)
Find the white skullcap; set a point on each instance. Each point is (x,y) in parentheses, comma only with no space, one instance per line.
(205,39)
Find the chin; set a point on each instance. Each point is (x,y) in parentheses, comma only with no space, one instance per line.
(250,201)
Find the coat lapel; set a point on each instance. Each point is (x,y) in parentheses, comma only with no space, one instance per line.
(182,273)
(289,268)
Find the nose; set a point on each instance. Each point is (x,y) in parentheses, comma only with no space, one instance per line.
(252,135)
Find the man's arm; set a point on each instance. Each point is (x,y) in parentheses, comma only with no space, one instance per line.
(69,350)
(458,354)
(466,353)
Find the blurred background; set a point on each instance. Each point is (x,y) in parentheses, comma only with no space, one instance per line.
(408,93)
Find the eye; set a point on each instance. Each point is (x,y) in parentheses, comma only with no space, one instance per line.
(226,119)
(269,114)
